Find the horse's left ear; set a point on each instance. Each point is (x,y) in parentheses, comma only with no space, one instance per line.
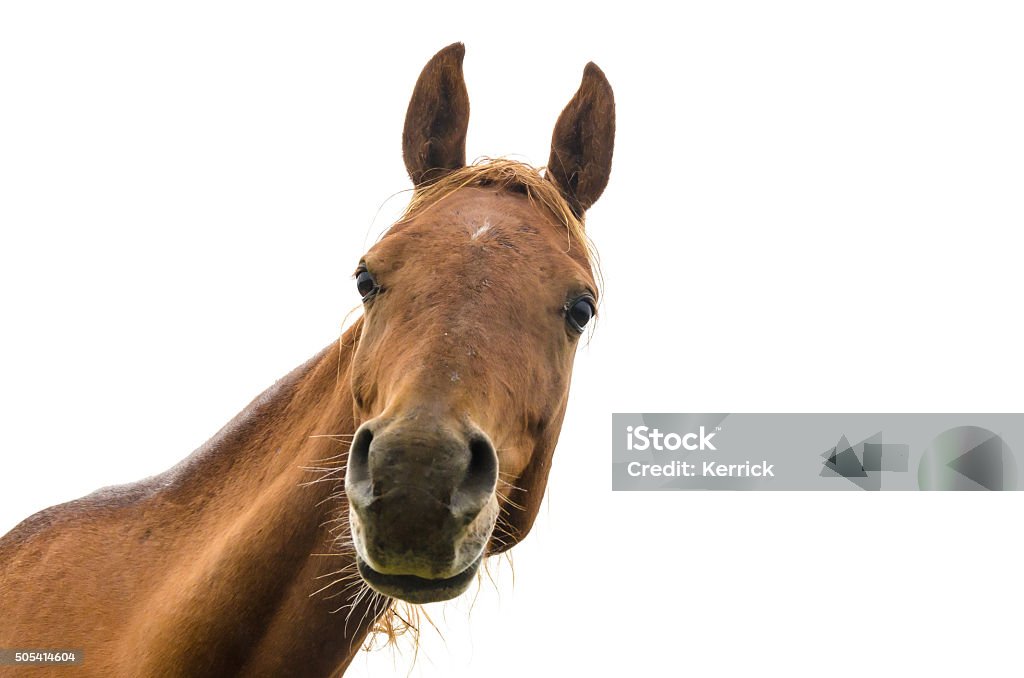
(581,146)
(434,140)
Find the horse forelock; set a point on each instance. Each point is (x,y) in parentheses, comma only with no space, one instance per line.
(515,177)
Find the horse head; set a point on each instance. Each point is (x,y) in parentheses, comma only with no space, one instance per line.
(474,303)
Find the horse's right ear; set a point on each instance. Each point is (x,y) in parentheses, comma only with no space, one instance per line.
(434,140)
(581,146)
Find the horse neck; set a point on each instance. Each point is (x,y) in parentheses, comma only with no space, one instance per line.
(271,576)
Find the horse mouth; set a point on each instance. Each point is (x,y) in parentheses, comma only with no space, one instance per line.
(413,589)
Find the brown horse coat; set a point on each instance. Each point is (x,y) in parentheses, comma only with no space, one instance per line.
(387,466)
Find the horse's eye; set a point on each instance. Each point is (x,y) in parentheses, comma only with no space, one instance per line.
(579,312)
(366,284)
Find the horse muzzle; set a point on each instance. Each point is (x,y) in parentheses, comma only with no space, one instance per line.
(423,506)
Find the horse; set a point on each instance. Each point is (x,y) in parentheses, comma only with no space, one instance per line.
(384,469)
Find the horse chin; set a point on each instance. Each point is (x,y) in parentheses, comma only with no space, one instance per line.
(413,589)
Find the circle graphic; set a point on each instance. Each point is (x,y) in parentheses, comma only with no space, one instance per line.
(967,458)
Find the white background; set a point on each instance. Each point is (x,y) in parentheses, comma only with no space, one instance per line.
(813,207)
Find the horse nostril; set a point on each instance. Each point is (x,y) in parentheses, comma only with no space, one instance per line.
(482,474)
(359,456)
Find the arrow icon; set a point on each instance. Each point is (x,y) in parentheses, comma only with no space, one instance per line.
(983,463)
(864,470)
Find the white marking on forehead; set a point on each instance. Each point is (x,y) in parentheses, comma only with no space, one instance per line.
(480,231)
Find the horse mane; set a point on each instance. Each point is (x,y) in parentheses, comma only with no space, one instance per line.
(515,177)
